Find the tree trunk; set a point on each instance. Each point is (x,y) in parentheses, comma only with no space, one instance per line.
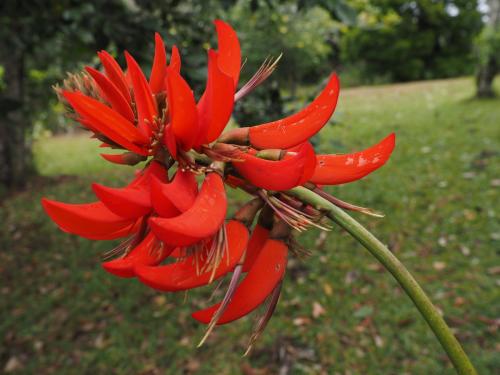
(16,163)
(486,74)
(484,79)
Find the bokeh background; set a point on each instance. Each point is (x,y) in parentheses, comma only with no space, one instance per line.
(424,69)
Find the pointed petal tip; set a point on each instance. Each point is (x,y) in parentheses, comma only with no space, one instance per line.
(45,202)
(118,269)
(392,137)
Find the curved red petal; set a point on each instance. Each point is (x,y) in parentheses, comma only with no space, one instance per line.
(112,94)
(130,203)
(216,104)
(115,74)
(255,246)
(134,200)
(182,109)
(201,220)
(159,69)
(298,128)
(148,253)
(114,158)
(175,197)
(144,100)
(340,169)
(277,175)
(89,220)
(309,166)
(107,121)
(169,140)
(266,273)
(183,275)
(175,60)
(229,50)
(162,203)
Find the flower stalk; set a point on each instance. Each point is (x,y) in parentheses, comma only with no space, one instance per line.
(433,318)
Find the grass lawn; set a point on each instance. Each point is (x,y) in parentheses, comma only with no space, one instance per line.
(339,313)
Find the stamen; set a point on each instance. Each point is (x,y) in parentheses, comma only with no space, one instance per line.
(264,319)
(348,206)
(294,217)
(225,302)
(124,248)
(217,251)
(157,248)
(224,152)
(119,251)
(264,71)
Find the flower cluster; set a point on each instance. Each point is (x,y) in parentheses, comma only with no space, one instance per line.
(172,216)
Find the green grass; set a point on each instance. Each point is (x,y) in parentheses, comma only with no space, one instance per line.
(61,313)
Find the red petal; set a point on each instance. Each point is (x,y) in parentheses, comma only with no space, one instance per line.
(175,60)
(179,252)
(126,158)
(162,204)
(266,273)
(108,122)
(112,94)
(277,175)
(309,166)
(115,74)
(159,69)
(89,220)
(255,246)
(202,220)
(216,104)
(182,275)
(182,109)
(169,140)
(229,50)
(298,128)
(178,196)
(340,169)
(133,201)
(114,158)
(130,203)
(143,254)
(144,100)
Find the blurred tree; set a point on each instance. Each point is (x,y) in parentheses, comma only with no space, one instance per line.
(409,40)
(41,39)
(304,35)
(488,47)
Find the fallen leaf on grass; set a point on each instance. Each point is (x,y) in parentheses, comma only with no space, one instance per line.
(13,364)
(160,300)
(327,288)
(192,365)
(317,310)
(439,266)
(494,270)
(247,369)
(301,321)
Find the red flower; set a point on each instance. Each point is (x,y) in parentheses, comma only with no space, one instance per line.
(160,120)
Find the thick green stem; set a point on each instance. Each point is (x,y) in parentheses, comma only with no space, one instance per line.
(450,344)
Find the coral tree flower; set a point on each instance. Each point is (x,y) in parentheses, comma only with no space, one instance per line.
(174,231)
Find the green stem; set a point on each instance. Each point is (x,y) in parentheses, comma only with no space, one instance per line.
(448,341)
